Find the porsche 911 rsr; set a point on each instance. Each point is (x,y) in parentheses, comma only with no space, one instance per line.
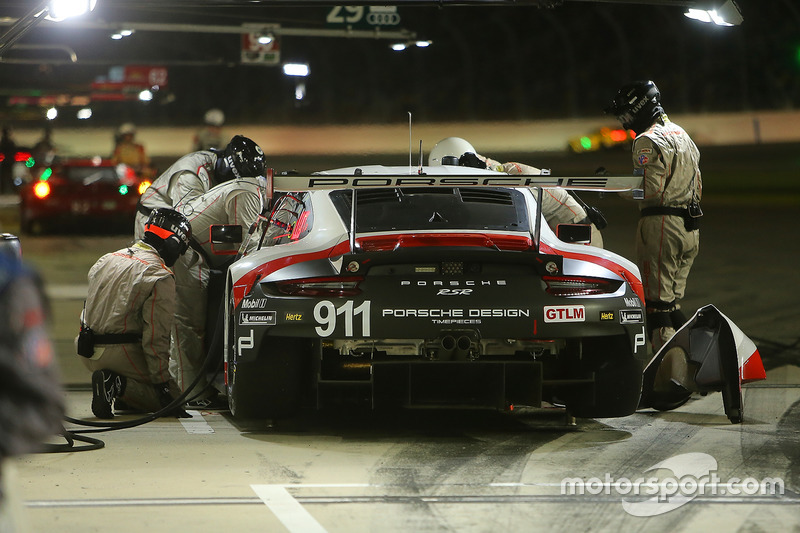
(446,288)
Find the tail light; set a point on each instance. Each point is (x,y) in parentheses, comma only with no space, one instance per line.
(327,287)
(580,286)
(41,190)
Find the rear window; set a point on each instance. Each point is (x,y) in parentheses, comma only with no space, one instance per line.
(434,209)
(89,175)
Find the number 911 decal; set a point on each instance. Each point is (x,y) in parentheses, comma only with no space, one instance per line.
(326,314)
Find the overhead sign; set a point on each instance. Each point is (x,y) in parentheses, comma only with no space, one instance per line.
(363,16)
(261,44)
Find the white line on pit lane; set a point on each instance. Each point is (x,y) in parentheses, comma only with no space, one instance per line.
(288,510)
(196,425)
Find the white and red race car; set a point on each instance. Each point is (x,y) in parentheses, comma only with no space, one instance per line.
(430,286)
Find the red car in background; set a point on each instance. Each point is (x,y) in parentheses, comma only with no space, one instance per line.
(93,191)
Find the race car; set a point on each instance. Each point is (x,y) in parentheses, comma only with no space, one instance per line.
(429,287)
(73,190)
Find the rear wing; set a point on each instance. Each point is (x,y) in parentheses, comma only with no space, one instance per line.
(328,182)
(375,176)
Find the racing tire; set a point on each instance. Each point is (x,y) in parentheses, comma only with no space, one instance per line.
(617,380)
(272,385)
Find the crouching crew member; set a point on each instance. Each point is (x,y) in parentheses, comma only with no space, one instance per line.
(126,321)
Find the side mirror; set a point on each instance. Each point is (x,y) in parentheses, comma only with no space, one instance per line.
(225,239)
(575,233)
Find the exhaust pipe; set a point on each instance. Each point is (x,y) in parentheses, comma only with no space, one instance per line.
(448,346)
(462,350)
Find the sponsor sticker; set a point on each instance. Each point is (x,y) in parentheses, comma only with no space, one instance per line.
(606,315)
(631,316)
(254,303)
(632,302)
(564,313)
(294,317)
(261,318)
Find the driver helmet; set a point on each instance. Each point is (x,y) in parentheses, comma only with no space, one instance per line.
(242,158)
(169,232)
(445,150)
(636,105)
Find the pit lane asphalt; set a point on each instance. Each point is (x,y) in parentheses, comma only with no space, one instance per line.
(448,471)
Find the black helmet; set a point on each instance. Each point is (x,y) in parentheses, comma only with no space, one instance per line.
(244,158)
(636,105)
(169,232)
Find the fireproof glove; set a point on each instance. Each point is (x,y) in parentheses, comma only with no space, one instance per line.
(468,159)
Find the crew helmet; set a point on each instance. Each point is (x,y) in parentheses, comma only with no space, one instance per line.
(127,129)
(244,158)
(169,232)
(445,150)
(214,117)
(636,105)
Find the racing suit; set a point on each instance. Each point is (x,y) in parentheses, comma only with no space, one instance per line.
(558,206)
(189,177)
(238,201)
(130,309)
(31,398)
(667,239)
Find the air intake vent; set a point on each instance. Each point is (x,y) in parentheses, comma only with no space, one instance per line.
(486,196)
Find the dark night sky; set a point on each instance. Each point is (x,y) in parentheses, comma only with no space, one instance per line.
(486,63)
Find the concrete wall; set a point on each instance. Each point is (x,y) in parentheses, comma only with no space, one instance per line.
(491,137)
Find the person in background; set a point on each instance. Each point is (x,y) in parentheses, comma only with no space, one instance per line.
(125,324)
(32,403)
(44,150)
(558,205)
(210,135)
(8,150)
(668,235)
(129,152)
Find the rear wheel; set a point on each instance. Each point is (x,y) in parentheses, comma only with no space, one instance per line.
(274,384)
(617,379)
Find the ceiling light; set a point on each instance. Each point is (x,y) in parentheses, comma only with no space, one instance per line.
(59,10)
(145,96)
(52,113)
(265,38)
(84,113)
(727,14)
(296,69)
(423,44)
(398,47)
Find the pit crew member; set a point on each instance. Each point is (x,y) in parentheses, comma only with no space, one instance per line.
(197,172)
(126,322)
(236,202)
(667,236)
(558,205)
